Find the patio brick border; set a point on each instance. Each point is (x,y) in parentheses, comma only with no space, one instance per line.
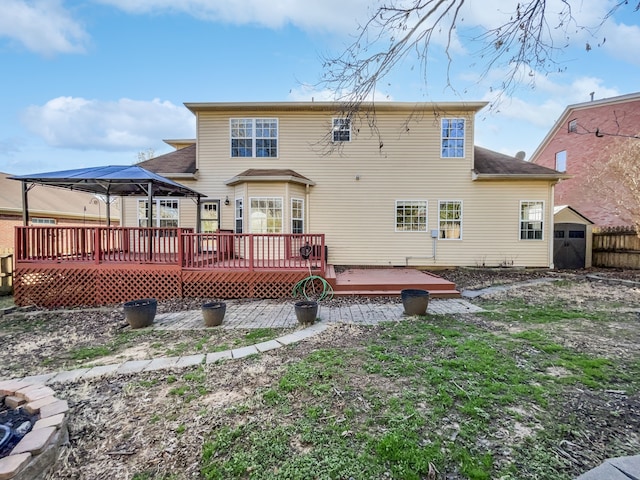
(37,451)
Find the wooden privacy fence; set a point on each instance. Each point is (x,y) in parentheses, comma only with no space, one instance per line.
(616,247)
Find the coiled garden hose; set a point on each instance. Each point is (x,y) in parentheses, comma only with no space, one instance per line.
(307,288)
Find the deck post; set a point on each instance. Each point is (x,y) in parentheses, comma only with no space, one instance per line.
(96,245)
(251,260)
(150,219)
(180,248)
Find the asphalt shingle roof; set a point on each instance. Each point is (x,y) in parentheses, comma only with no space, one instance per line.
(488,162)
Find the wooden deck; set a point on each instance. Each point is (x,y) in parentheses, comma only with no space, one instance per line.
(371,282)
(74,266)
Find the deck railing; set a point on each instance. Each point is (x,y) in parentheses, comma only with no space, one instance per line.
(169,246)
(253,251)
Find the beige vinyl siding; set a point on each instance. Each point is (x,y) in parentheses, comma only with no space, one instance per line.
(358,216)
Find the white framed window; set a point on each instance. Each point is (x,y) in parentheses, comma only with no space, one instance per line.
(452,138)
(561,161)
(265,215)
(166,213)
(573,126)
(209,216)
(531,220)
(254,137)
(341,130)
(297,215)
(411,215)
(450,219)
(42,221)
(239,214)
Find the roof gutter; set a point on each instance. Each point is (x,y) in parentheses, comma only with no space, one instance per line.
(475,176)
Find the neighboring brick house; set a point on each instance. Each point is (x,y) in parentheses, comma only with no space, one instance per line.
(47,206)
(584,134)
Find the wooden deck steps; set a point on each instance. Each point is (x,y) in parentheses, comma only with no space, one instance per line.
(372,282)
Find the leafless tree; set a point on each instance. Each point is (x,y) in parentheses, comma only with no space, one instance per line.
(147,154)
(616,179)
(399,29)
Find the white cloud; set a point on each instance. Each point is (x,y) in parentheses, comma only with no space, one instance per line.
(308,93)
(78,123)
(619,39)
(530,110)
(321,15)
(42,26)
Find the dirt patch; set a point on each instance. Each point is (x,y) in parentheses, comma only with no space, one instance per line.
(122,426)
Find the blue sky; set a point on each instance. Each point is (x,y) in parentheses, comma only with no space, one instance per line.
(94,82)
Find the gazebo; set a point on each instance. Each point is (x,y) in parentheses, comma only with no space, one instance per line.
(108,181)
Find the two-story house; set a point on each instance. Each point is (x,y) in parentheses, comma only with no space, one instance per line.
(393,184)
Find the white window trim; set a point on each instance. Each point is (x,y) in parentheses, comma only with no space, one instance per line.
(156,210)
(337,126)
(270,198)
(520,220)
(42,221)
(208,202)
(464,137)
(426,220)
(254,137)
(235,214)
(301,200)
(561,155)
(440,202)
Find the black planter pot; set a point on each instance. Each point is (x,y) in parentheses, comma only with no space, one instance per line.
(213,313)
(140,313)
(306,311)
(414,301)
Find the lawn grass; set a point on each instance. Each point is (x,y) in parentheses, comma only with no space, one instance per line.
(431,398)
(6,301)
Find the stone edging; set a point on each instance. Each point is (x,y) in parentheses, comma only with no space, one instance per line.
(37,451)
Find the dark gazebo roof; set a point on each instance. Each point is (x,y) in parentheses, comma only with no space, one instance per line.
(113,180)
(110,181)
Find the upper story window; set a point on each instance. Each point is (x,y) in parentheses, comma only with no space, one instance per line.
(411,216)
(573,126)
(452,138)
(254,137)
(341,130)
(561,161)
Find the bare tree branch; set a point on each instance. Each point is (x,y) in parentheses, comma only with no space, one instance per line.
(398,29)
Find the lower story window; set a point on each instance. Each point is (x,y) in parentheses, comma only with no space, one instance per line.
(450,225)
(265,215)
(42,221)
(165,213)
(297,215)
(531,220)
(239,215)
(411,216)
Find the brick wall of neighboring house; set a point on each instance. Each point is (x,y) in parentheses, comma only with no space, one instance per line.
(583,147)
(7,224)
